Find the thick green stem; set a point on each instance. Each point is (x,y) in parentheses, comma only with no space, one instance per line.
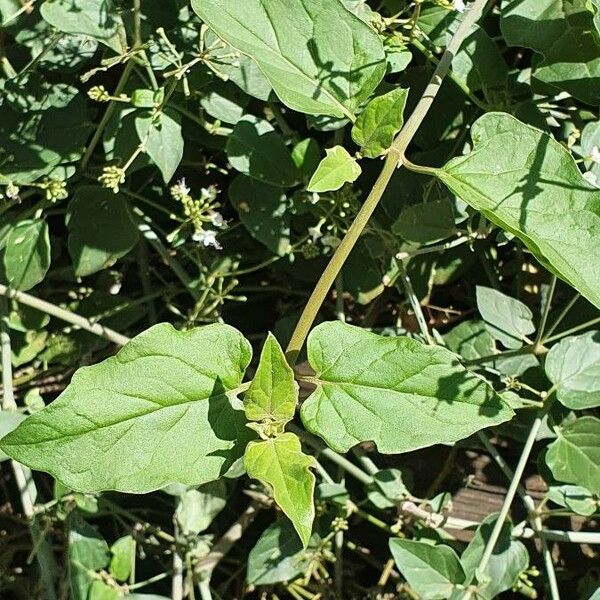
(394,158)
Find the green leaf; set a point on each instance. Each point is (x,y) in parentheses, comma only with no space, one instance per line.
(225,102)
(123,555)
(277,556)
(307,156)
(508,320)
(509,559)
(574,457)
(397,392)
(336,169)
(574,497)
(97,18)
(471,340)
(426,222)
(161,137)
(563,34)
(273,393)
(378,124)
(27,254)
(516,176)
(101,229)
(263,209)
(280,463)
(197,509)
(590,139)
(255,149)
(158,412)
(87,553)
(328,63)
(573,366)
(431,571)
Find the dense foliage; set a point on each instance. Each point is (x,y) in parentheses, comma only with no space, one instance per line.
(276,276)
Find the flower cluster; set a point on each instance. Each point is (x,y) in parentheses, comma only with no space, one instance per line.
(200,212)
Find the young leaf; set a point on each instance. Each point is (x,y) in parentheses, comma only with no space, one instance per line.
(280,463)
(394,391)
(574,457)
(336,169)
(100,229)
(161,137)
(426,223)
(377,125)
(273,393)
(157,412)
(328,63)
(197,509)
(122,557)
(516,176)
(27,254)
(573,366)
(264,211)
(509,560)
(255,149)
(98,19)
(431,571)
(507,319)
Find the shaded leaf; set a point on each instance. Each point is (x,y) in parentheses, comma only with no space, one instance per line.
(122,557)
(101,229)
(255,149)
(426,222)
(27,254)
(574,497)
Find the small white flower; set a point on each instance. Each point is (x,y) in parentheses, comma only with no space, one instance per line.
(216,218)
(182,187)
(314,198)
(596,155)
(207,237)
(12,191)
(591,178)
(315,233)
(459,5)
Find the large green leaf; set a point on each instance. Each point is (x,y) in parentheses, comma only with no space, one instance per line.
(573,366)
(508,320)
(158,412)
(27,254)
(273,393)
(509,559)
(381,120)
(100,229)
(319,58)
(97,18)
(280,463)
(574,457)
(255,149)
(336,169)
(395,391)
(527,183)
(563,33)
(431,571)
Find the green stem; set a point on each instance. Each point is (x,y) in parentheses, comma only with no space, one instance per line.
(563,313)
(394,158)
(568,332)
(65,315)
(414,302)
(545,312)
